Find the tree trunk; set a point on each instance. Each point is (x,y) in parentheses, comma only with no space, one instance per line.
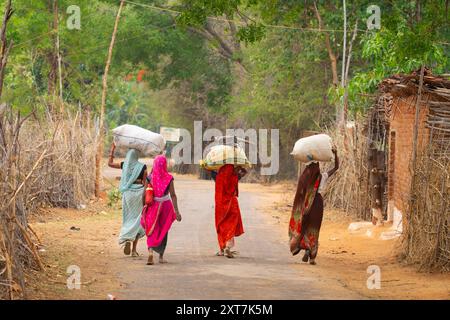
(418,13)
(331,54)
(416,122)
(99,155)
(52,55)
(58,56)
(4,51)
(5,47)
(344,47)
(341,121)
(345,74)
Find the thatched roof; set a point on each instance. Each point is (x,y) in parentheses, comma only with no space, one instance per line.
(436,97)
(438,87)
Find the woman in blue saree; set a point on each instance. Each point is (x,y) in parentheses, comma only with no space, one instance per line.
(132,189)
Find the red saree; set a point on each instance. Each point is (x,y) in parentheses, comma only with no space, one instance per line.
(307,213)
(228,214)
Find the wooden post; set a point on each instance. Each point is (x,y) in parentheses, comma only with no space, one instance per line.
(99,155)
(375,185)
(344,47)
(416,123)
(345,76)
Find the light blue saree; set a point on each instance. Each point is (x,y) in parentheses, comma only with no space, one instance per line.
(131,198)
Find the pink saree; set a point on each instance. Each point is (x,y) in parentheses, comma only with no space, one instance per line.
(158,217)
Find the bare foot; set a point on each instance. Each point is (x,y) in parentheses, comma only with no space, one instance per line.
(228,253)
(135,254)
(220,253)
(150,259)
(127,248)
(162,260)
(312,262)
(306,256)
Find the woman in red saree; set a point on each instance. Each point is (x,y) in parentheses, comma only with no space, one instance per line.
(307,211)
(227,212)
(157,218)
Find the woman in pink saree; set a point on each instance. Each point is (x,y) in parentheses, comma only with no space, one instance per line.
(157,218)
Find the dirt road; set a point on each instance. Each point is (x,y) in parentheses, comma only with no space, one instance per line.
(263,269)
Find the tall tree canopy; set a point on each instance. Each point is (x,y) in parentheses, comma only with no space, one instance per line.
(248,63)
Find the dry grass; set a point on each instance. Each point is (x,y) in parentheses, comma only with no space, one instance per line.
(348,190)
(426,239)
(44,162)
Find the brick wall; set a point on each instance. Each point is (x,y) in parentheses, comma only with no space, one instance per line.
(402,123)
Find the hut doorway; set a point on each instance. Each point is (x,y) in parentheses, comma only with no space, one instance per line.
(380,149)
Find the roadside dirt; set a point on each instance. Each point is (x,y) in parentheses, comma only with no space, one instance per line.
(90,246)
(346,256)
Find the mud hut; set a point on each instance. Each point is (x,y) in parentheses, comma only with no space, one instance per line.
(407,149)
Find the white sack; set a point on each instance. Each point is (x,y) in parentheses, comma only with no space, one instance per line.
(313,148)
(148,143)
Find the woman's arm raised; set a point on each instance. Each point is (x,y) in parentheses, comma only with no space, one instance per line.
(336,163)
(111,158)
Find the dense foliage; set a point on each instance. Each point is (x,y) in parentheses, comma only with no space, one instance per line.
(246,63)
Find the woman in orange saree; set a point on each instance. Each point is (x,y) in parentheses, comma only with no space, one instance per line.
(227,212)
(307,211)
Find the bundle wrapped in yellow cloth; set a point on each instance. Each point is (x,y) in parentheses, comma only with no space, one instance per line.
(223,154)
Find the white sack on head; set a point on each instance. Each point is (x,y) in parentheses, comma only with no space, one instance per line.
(313,148)
(129,136)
